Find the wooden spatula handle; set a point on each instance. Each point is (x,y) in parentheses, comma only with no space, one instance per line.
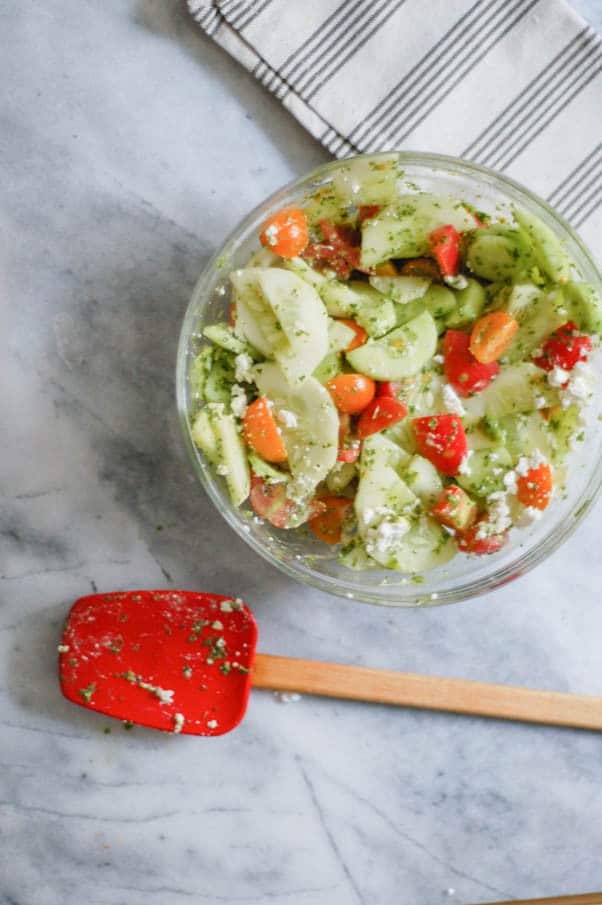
(360,683)
(592,898)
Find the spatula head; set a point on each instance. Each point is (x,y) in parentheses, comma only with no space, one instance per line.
(179,661)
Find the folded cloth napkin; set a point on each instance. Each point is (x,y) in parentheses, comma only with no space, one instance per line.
(515,85)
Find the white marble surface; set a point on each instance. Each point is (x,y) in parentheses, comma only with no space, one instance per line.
(129,146)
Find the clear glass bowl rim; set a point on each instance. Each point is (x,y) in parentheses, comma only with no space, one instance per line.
(520,565)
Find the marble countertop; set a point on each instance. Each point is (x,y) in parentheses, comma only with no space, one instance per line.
(129,146)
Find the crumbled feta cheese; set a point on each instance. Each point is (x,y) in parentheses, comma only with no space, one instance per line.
(217,626)
(465,463)
(165,695)
(223,470)
(438,359)
(243,365)
(271,234)
(510,482)
(458,281)
(386,535)
(63,648)
(540,402)
(212,724)
(452,401)
(557,377)
(226,606)
(580,385)
(526,463)
(178,723)
(528,515)
(238,400)
(498,516)
(288,419)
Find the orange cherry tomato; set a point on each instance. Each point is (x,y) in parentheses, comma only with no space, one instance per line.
(286,232)
(232,314)
(535,487)
(327,525)
(351,392)
(491,336)
(360,334)
(262,433)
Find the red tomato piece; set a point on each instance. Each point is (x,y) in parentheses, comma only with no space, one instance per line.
(388,388)
(463,371)
(340,250)
(349,446)
(270,502)
(564,348)
(441,440)
(380,414)
(455,509)
(286,232)
(535,487)
(327,525)
(445,248)
(262,433)
(479,541)
(360,334)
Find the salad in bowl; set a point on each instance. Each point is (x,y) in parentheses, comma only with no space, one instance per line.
(399,375)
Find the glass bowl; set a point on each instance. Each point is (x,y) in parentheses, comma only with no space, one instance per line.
(300,555)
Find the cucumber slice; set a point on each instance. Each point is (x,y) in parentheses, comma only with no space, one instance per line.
(228,450)
(494,257)
(265,470)
(402,230)
(223,335)
(549,252)
(423,393)
(381,494)
(312,444)
(564,425)
(264,257)
(353,555)
(521,298)
(379,451)
(423,479)
(219,380)
(401,289)
(367,180)
(515,390)
(586,306)
(537,320)
(325,203)
(303,270)
(372,310)
(341,476)
(339,336)
(469,304)
(426,546)
(440,301)
(200,369)
(329,367)
(401,353)
(204,436)
(523,434)
(485,471)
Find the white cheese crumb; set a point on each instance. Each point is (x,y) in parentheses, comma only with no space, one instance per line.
(465,463)
(243,365)
(452,401)
(271,234)
(212,724)
(223,470)
(287,697)
(63,648)
(289,419)
(510,482)
(217,625)
(540,402)
(226,606)
(178,723)
(498,516)
(557,377)
(165,695)
(458,281)
(526,463)
(528,515)
(385,537)
(438,359)
(238,401)
(580,385)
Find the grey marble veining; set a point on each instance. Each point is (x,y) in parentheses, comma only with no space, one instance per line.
(129,146)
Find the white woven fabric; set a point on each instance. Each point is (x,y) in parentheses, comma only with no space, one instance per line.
(515,85)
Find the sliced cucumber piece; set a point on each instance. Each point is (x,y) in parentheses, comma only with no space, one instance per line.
(485,471)
(536,322)
(339,335)
(219,380)
(400,353)
(549,252)
(440,301)
(372,310)
(564,425)
(341,476)
(312,444)
(200,369)
(325,203)
(423,479)
(401,289)
(517,389)
(402,230)
(228,451)
(425,546)
(265,470)
(586,306)
(203,434)
(353,555)
(223,335)
(330,366)
(367,180)
(494,257)
(423,393)
(523,434)
(381,494)
(264,257)
(303,270)
(469,304)
(379,451)
(521,298)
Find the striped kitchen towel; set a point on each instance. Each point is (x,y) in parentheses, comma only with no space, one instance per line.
(515,85)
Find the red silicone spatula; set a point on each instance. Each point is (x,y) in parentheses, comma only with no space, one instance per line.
(183,661)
